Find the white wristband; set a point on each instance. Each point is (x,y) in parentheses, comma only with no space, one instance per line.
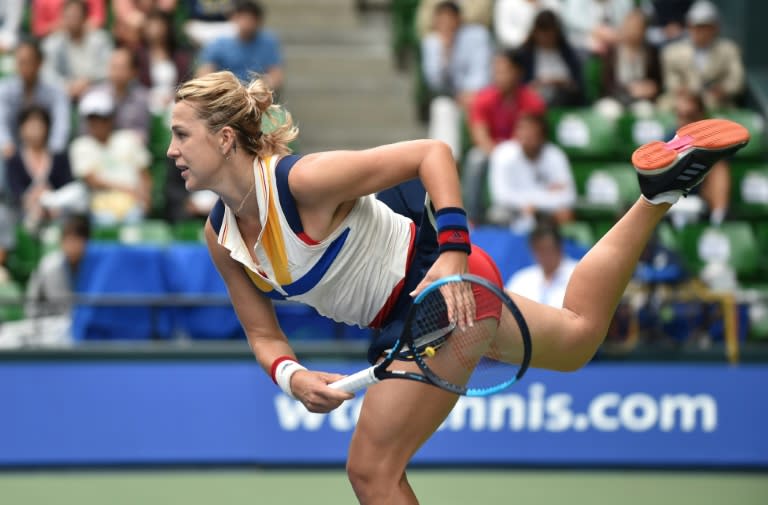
(283,373)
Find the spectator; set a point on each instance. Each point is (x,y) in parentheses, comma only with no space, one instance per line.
(130,16)
(704,63)
(546,280)
(513,19)
(667,20)
(631,70)
(34,170)
(46,15)
(76,56)
(550,65)
(207,20)
(529,176)
(28,87)
(163,63)
(492,119)
(713,194)
(51,287)
(112,163)
(253,49)
(11,12)
(473,12)
(455,60)
(130,96)
(593,25)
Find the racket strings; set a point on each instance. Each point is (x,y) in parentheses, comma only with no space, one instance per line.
(463,358)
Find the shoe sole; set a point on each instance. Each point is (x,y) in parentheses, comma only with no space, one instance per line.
(710,135)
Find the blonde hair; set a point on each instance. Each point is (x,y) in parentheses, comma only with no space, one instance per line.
(220,100)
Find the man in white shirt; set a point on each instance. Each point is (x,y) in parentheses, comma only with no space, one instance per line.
(530,175)
(544,282)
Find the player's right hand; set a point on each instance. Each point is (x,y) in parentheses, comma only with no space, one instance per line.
(311,389)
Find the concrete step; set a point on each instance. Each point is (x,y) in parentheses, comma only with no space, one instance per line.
(332,138)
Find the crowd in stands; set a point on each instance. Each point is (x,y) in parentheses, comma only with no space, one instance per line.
(563,73)
(514,87)
(86,88)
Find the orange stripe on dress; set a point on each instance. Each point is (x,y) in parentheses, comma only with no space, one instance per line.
(272,240)
(260,283)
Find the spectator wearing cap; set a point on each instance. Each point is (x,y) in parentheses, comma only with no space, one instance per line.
(130,97)
(455,59)
(76,57)
(29,87)
(252,50)
(530,176)
(703,63)
(112,163)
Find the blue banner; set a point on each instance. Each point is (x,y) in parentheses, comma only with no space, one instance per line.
(230,412)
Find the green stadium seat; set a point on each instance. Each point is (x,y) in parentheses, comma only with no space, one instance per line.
(755,123)
(146,232)
(635,131)
(189,231)
(23,259)
(732,242)
(578,231)
(11,310)
(749,189)
(605,190)
(585,134)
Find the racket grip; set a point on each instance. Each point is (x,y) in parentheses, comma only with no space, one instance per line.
(357,381)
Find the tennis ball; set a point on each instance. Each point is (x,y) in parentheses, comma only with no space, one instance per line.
(429,351)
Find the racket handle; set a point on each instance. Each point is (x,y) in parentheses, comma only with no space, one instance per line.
(357,381)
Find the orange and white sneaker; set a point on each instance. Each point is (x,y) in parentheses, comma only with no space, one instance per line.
(668,170)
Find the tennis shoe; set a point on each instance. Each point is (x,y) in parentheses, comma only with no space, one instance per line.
(668,170)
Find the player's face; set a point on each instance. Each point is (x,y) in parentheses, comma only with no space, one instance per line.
(194,149)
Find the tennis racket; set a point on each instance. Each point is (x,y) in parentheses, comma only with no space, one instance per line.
(450,334)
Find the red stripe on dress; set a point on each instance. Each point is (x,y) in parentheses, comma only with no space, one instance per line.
(306,238)
(393,296)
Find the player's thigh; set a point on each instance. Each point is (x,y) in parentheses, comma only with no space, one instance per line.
(559,337)
(396,418)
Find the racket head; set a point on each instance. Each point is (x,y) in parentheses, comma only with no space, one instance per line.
(467,312)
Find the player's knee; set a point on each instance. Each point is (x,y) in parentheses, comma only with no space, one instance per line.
(371,479)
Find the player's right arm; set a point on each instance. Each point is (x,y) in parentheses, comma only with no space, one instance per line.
(266,339)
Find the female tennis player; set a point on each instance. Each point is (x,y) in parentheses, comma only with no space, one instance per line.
(309,229)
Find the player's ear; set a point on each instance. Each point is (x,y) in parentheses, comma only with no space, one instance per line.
(227,140)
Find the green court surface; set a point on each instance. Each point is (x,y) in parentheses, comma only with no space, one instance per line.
(444,487)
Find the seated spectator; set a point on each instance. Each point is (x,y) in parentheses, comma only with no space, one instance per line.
(130,16)
(76,56)
(11,12)
(545,281)
(704,63)
(46,15)
(455,59)
(713,195)
(530,176)
(28,87)
(131,98)
(163,63)
(631,70)
(253,49)
(550,65)
(473,12)
(208,20)
(51,287)
(666,20)
(112,163)
(593,25)
(34,170)
(513,19)
(493,118)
